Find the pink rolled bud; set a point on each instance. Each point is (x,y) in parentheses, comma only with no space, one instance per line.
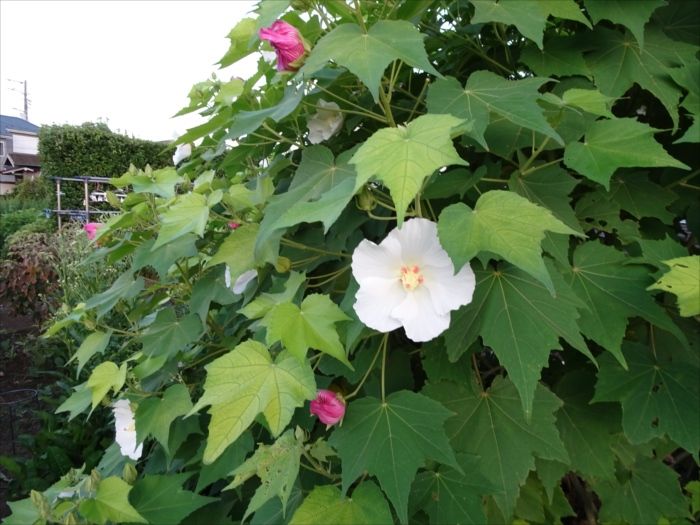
(91,229)
(289,45)
(328,406)
(234,225)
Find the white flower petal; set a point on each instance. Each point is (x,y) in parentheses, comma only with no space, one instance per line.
(419,318)
(375,301)
(447,291)
(420,245)
(240,285)
(125,430)
(182,152)
(325,123)
(227,277)
(370,261)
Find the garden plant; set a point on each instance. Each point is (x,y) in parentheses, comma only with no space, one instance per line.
(434,262)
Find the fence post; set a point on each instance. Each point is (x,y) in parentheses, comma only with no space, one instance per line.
(58,202)
(87,203)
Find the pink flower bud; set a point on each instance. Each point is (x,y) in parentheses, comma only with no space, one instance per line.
(328,406)
(288,43)
(91,229)
(234,225)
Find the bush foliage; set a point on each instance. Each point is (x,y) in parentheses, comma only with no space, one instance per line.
(553,144)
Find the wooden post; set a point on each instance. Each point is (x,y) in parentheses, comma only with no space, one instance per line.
(87,203)
(58,202)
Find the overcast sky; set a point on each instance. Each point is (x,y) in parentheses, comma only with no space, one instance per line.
(127,63)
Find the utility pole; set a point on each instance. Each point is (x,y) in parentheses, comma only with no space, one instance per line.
(25,113)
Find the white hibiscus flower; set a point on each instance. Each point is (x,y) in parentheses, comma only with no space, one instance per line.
(409,280)
(325,123)
(182,152)
(240,285)
(125,428)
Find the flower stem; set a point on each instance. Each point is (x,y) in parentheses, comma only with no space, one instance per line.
(385,340)
(300,246)
(367,373)
(533,156)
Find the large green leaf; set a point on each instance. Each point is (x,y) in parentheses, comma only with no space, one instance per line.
(657,397)
(562,56)
(155,415)
(159,182)
(649,492)
(308,326)
(276,465)
(161,259)
(105,377)
(392,440)
(587,430)
(682,280)
(486,93)
(507,304)
(247,382)
(237,250)
(125,287)
(403,157)
(95,343)
(618,62)
(550,188)
(240,37)
(502,223)
(248,121)
(111,504)
(367,54)
(189,214)
(326,505)
(321,188)
(167,335)
(613,292)
(636,194)
(232,457)
(529,16)
(162,501)
(619,12)
(450,496)
(492,425)
(619,143)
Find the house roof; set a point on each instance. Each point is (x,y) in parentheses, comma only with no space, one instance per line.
(17,124)
(25,159)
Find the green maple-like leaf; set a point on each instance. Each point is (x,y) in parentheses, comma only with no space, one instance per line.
(649,493)
(164,257)
(597,210)
(240,37)
(111,504)
(367,54)
(321,188)
(403,157)
(586,430)
(160,182)
(562,56)
(450,496)
(619,143)
(162,501)
(682,280)
(237,251)
(502,223)
(506,305)
(619,12)
(125,287)
(590,100)
(246,122)
(247,382)
(104,377)
(308,326)
(492,425)
(95,343)
(189,214)
(265,302)
(657,397)
(550,188)
(485,93)
(326,504)
(276,465)
(618,63)
(613,292)
(233,456)
(155,415)
(636,194)
(168,334)
(529,16)
(392,440)
(656,251)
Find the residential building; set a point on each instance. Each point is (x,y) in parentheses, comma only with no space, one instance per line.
(19,152)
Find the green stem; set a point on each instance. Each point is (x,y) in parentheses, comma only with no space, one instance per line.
(367,373)
(535,153)
(541,166)
(358,15)
(300,246)
(363,111)
(384,345)
(419,100)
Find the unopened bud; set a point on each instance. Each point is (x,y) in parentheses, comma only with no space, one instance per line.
(283,264)
(365,200)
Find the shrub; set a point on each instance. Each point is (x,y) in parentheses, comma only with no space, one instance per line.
(16,220)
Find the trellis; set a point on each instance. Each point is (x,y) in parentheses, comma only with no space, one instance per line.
(82,215)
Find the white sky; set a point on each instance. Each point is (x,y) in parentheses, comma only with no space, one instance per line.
(127,63)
